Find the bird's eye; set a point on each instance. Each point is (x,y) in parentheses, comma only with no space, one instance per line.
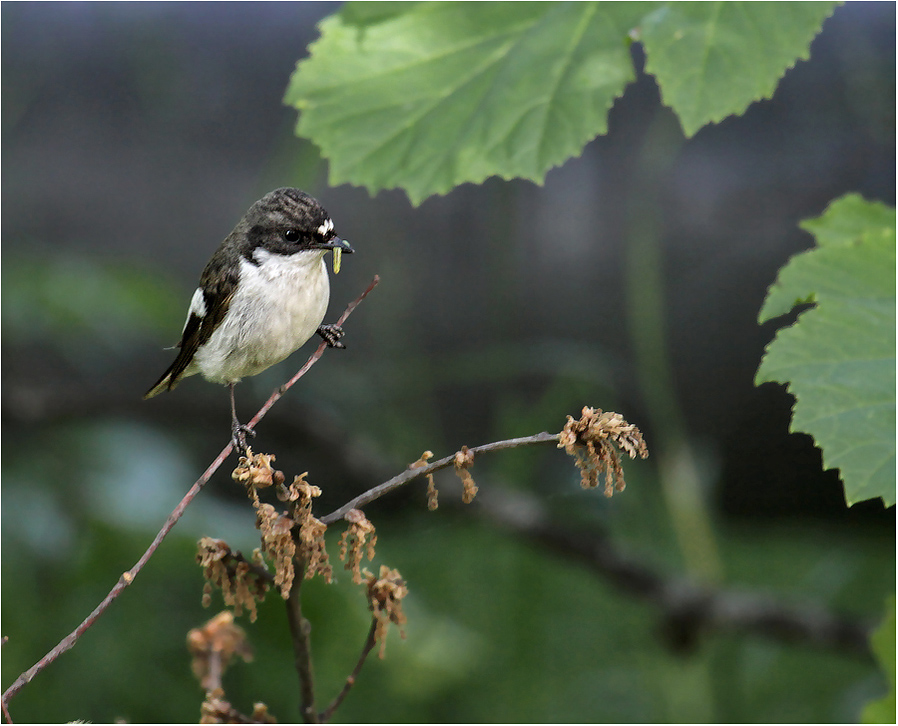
(291,235)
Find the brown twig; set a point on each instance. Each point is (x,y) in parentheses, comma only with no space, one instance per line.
(279,392)
(300,630)
(257,570)
(128,577)
(216,670)
(5,711)
(326,715)
(411,474)
(687,608)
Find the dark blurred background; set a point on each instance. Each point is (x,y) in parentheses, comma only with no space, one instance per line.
(135,135)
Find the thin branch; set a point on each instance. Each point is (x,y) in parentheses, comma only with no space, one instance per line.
(411,474)
(326,715)
(300,630)
(217,710)
(216,671)
(688,608)
(279,392)
(128,577)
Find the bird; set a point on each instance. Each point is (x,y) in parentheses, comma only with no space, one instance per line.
(261,296)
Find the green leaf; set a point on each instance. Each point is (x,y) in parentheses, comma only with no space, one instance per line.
(712,59)
(427,96)
(882,641)
(848,217)
(363,14)
(839,356)
(447,93)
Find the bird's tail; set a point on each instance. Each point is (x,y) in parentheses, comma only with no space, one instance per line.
(165,383)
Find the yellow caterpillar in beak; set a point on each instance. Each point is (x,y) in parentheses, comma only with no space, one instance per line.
(338,256)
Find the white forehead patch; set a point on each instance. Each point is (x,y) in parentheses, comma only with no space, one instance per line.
(326,227)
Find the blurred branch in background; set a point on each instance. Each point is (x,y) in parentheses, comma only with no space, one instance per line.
(687,609)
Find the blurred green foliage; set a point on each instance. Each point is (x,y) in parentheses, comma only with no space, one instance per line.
(882,710)
(499,630)
(71,299)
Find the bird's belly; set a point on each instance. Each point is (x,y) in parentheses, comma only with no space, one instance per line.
(269,317)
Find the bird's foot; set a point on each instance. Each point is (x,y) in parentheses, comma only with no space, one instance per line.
(332,335)
(239,433)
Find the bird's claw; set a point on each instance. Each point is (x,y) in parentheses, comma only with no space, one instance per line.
(239,432)
(332,335)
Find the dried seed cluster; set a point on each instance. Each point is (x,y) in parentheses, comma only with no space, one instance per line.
(213,646)
(215,709)
(295,538)
(286,536)
(358,539)
(432,494)
(312,549)
(463,460)
(385,594)
(241,585)
(277,543)
(255,470)
(593,440)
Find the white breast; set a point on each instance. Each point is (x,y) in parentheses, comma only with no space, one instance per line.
(278,306)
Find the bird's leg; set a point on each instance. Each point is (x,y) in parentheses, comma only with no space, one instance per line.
(331,334)
(238,430)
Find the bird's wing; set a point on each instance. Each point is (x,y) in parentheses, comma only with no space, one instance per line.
(207,309)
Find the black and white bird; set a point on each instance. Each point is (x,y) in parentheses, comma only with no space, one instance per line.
(262,295)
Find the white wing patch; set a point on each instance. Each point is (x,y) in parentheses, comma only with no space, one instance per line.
(197,307)
(198,304)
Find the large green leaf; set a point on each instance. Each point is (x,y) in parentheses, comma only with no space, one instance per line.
(712,59)
(446,93)
(839,356)
(427,96)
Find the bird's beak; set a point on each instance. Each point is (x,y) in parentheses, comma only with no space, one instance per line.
(335,244)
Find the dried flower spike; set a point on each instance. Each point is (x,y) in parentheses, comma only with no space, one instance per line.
(212,647)
(463,460)
(216,709)
(593,440)
(260,714)
(312,550)
(432,494)
(240,586)
(385,594)
(278,544)
(255,471)
(433,501)
(358,539)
